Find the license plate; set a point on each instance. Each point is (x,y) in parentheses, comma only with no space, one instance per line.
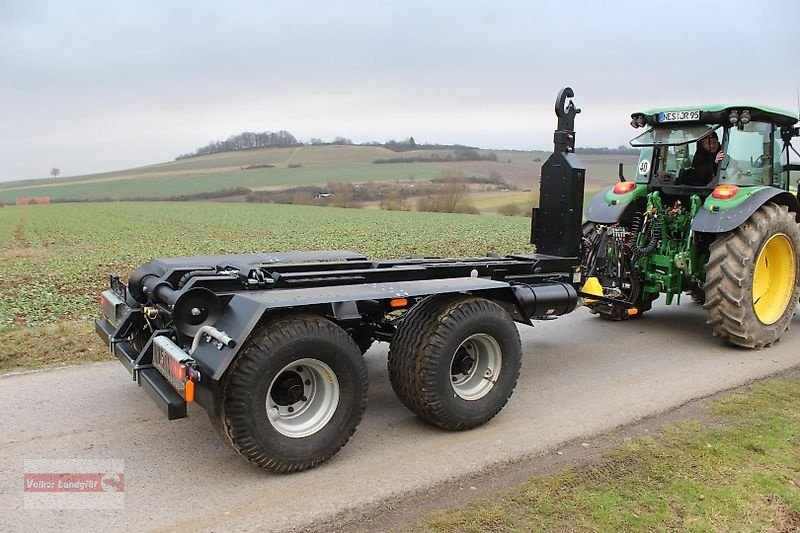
(679,116)
(171,361)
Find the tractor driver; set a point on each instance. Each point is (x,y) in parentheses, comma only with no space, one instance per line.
(705,161)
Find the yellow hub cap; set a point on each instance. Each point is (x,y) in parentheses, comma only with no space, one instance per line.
(774,278)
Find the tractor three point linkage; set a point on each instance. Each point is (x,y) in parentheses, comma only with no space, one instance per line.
(272,345)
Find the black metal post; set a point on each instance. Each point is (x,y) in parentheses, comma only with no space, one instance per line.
(556,223)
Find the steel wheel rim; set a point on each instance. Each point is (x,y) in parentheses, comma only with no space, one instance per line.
(475,366)
(773,278)
(302,398)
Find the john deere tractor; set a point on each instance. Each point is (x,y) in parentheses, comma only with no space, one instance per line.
(726,234)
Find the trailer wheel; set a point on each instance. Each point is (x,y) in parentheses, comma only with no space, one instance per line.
(295,394)
(455,360)
(751,278)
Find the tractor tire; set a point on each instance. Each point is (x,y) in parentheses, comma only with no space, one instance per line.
(751,278)
(455,360)
(294,395)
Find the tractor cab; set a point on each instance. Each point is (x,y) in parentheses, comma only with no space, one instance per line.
(754,141)
(750,137)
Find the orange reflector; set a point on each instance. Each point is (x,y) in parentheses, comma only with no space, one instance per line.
(724,192)
(624,187)
(398,302)
(189,392)
(633,311)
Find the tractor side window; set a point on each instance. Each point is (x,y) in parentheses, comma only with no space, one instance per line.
(643,168)
(779,168)
(748,155)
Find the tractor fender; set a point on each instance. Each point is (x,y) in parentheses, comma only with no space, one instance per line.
(707,221)
(603,212)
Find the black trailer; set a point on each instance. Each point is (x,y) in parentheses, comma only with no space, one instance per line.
(271,345)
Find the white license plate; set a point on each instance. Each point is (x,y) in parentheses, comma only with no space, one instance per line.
(679,116)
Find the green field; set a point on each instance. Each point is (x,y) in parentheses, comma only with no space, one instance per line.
(55,259)
(318,165)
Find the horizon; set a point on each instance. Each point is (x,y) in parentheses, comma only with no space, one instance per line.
(94,87)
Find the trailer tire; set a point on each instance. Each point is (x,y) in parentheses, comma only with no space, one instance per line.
(751,278)
(294,395)
(444,355)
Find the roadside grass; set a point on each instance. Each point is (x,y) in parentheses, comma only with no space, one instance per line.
(64,343)
(738,471)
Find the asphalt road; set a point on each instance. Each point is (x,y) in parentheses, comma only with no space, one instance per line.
(581,376)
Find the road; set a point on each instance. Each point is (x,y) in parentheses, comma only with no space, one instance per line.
(581,376)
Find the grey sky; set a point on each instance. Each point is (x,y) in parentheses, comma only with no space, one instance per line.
(90,86)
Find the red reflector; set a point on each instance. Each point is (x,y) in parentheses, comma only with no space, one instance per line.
(624,187)
(723,192)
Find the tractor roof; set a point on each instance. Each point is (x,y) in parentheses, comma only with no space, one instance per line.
(721,111)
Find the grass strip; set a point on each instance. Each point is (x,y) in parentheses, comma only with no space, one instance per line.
(737,471)
(64,343)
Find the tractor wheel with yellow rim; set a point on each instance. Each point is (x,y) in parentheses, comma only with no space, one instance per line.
(752,278)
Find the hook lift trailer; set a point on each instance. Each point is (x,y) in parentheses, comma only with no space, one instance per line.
(271,345)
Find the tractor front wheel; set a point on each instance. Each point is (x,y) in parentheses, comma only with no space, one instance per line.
(751,278)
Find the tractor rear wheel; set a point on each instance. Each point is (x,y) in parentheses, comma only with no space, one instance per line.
(752,278)
(455,360)
(294,395)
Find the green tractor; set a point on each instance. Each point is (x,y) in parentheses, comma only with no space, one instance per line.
(710,214)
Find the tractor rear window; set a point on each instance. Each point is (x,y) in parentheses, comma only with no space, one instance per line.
(672,136)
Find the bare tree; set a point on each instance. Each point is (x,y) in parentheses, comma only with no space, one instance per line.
(55,172)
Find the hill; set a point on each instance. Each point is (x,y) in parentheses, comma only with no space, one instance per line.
(276,168)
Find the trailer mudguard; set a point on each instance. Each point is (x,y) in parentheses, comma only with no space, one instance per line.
(712,221)
(608,207)
(245,310)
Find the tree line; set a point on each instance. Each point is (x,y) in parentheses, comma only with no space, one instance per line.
(246,141)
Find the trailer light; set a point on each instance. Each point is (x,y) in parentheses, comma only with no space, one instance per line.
(188,393)
(398,302)
(725,192)
(624,187)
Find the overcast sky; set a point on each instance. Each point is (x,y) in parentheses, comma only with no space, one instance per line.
(91,86)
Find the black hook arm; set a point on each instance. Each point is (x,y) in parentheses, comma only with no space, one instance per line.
(564,137)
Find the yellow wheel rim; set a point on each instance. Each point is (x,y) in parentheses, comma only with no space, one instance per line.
(774,278)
